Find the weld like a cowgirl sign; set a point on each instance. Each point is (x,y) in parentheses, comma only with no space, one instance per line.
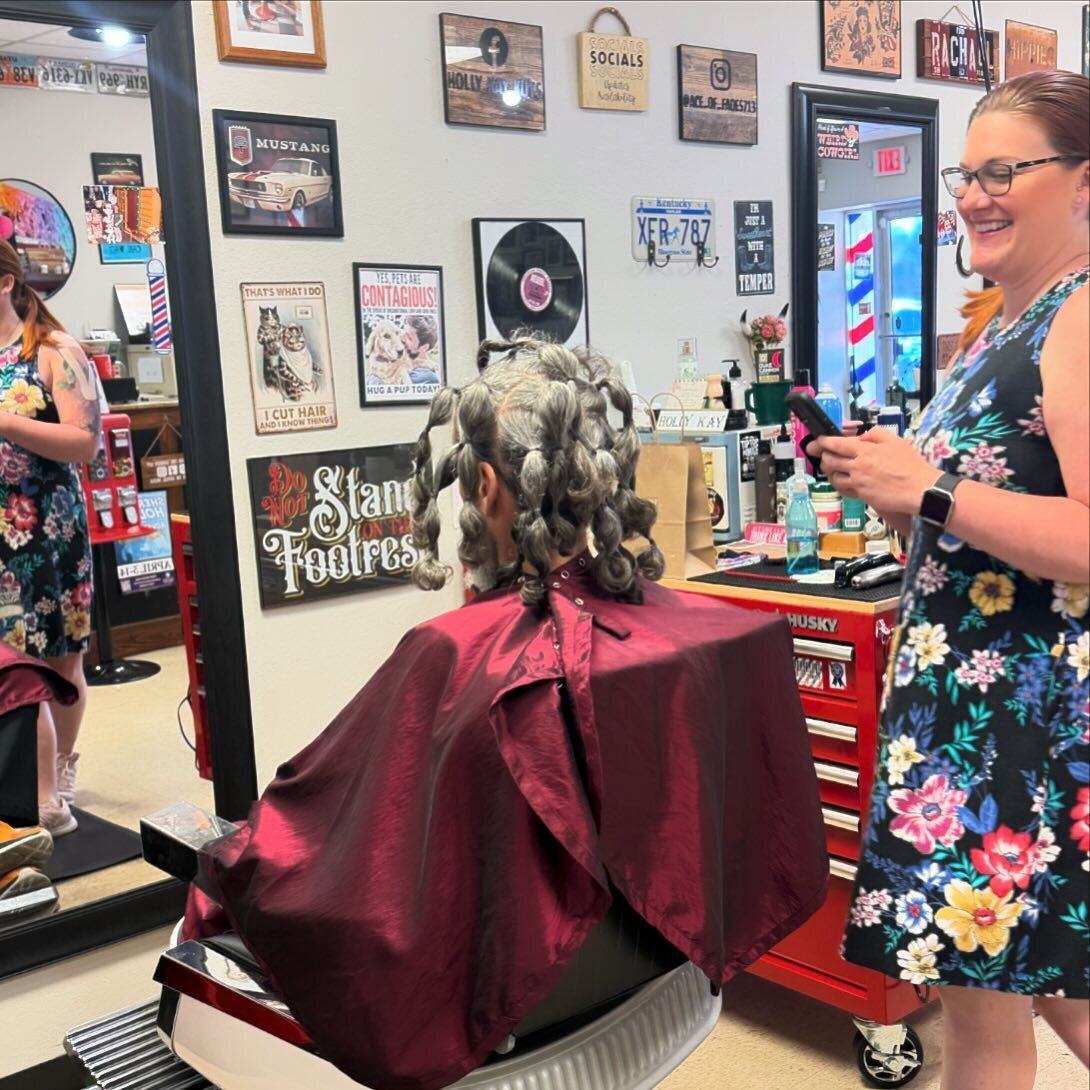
(331,523)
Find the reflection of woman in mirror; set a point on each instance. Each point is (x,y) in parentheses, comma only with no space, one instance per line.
(49,419)
(975,873)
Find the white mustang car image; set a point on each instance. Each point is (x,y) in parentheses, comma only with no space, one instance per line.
(291,183)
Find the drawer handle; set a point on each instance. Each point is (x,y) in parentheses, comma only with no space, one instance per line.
(838,868)
(849,777)
(840,731)
(817,649)
(840,819)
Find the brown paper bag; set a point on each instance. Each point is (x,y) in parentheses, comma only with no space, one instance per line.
(671,476)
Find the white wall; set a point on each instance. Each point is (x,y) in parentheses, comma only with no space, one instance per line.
(65,128)
(852,183)
(411,185)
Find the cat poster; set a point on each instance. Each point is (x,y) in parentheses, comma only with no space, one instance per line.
(291,370)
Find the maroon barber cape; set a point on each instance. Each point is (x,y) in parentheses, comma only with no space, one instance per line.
(25,680)
(418,877)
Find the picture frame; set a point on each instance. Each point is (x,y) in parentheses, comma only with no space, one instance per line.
(717,100)
(124,253)
(531,273)
(1028,48)
(1086,39)
(290,33)
(493,73)
(278,175)
(117,168)
(862,37)
(401,345)
(290,358)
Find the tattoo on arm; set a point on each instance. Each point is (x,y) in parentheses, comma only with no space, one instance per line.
(76,381)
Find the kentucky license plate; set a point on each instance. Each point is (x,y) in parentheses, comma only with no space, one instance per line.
(678,228)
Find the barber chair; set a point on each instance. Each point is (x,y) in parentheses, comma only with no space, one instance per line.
(626,1013)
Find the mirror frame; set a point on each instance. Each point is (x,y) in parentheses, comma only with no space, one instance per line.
(176,124)
(808,103)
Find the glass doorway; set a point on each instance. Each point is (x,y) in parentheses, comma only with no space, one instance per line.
(900,313)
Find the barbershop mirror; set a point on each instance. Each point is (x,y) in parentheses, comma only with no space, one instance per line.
(865,179)
(99,109)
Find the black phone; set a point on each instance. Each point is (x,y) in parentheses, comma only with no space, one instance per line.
(811,414)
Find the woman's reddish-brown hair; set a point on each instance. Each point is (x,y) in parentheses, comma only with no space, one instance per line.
(39,325)
(1059,104)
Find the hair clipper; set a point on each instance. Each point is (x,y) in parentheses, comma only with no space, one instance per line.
(847,572)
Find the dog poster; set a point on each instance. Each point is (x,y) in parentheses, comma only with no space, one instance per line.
(400,340)
(291,370)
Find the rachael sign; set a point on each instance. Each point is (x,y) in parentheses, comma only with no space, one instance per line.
(332,523)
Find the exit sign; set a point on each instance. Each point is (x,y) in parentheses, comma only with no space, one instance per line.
(890,161)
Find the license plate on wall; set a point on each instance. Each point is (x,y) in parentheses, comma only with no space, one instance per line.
(677,226)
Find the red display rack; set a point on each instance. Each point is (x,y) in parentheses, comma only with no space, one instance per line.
(182,547)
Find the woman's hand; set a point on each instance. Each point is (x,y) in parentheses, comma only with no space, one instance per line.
(882,470)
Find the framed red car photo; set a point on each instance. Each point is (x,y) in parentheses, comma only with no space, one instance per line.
(277,175)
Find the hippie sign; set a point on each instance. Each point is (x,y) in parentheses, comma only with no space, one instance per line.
(331,523)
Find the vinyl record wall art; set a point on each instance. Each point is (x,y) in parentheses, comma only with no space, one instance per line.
(532,274)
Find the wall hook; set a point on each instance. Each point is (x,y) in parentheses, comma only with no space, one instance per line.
(702,258)
(652,249)
(966,273)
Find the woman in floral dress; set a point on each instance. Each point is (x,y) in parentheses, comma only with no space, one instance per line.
(49,419)
(975,860)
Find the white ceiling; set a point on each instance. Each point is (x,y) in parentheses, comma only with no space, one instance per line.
(55,41)
(869,130)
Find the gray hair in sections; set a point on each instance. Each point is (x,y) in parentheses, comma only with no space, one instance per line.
(539,416)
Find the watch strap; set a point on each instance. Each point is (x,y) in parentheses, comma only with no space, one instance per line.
(938,501)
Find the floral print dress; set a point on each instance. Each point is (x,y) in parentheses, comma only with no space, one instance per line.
(975,859)
(45,553)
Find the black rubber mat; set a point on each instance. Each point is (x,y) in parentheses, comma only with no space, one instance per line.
(95,845)
(781,585)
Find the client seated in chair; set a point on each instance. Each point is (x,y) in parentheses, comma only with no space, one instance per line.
(417,880)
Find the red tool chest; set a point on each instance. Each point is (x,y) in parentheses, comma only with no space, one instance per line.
(189,607)
(840,656)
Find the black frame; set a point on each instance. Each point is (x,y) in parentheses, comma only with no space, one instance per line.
(681,99)
(825,67)
(808,103)
(446,91)
(361,355)
(99,155)
(177,128)
(479,265)
(75,234)
(220,120)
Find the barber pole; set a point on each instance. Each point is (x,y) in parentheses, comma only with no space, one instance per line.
(160,319)
(859,273)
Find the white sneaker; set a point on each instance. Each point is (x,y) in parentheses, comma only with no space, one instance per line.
(58,820)
(66,776)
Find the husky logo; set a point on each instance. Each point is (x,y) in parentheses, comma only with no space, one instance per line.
(813,624)
(240,144)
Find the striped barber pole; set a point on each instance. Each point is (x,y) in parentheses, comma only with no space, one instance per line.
(859,272)
(160,319)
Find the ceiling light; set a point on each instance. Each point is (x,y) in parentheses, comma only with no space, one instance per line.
(113,37)
(116,36)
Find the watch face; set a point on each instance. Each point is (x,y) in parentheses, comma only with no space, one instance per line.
(935,507)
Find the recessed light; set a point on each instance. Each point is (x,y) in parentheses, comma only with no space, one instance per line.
(113,37)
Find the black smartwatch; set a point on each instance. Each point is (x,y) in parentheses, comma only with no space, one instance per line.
(938,501)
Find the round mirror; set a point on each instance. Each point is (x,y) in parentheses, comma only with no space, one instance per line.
(41,233)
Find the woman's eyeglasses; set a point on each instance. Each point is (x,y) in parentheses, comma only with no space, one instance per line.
(994,178)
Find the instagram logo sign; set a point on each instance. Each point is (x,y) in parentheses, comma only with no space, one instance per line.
(719,73)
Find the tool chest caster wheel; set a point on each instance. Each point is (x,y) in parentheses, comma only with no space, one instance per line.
(884,1062)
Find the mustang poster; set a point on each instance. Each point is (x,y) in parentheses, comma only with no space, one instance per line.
(331,523)
(277,175)
(399,325)
(291,372)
